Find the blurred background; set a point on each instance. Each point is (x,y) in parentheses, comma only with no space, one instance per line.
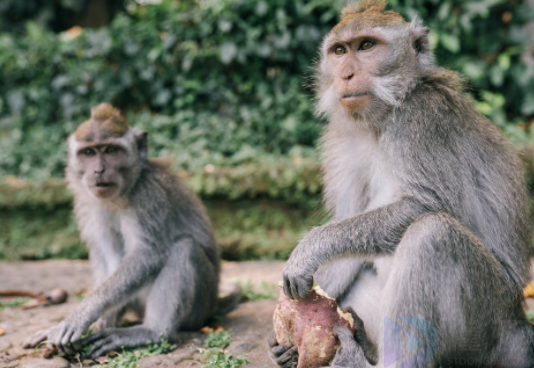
(223,86)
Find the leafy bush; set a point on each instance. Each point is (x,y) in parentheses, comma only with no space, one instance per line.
(224,78)
(485,41)
(222,82)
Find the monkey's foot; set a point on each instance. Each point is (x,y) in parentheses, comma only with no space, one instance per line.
(109,339)
(284,356)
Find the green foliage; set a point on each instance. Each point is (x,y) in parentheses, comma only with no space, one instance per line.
(217,358)
(222,82)
(12,303)
(213,82)
(130,358)
(219,339)
(485,40)
(530,315)
(254,292)
(245,229)
(38,233)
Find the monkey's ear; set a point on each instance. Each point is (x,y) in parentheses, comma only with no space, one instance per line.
(420,40)
(142,144)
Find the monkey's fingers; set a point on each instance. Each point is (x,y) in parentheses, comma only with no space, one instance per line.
(95,336)
(272,340)
(35,339)
(289,355)
(63,339)
(287,288)
(100,346)
(291,363)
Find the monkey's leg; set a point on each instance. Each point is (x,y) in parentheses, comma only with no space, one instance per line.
(435,308)
(435,301)
(183,296)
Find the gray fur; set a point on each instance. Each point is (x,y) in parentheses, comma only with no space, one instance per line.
(151,247)
(430,192)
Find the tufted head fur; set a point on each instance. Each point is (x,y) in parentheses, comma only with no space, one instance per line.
(105,122)
(367,13)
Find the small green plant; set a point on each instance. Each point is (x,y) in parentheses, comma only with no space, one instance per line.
(219,339)
(130,358)
(218,358)
(253,292)
(530,315)
(12,303)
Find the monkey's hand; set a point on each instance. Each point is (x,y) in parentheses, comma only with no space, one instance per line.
(69,331)
(284,356)
(300,267)
(37,338)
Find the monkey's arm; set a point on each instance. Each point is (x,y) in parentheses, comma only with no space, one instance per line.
(138,267)
(371,233)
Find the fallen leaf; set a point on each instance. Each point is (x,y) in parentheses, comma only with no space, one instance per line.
(206,330)
(2,331)
(50,352)
(528,291)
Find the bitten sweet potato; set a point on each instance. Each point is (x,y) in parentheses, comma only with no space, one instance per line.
(308,324)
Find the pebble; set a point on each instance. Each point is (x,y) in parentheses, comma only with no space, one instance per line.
(241,348)
(5,344)
(189,363)
(156,361)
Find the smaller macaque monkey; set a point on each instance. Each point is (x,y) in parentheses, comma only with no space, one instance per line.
(150,242)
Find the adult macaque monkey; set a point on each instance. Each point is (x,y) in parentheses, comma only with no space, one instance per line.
(430,223)
(151,243)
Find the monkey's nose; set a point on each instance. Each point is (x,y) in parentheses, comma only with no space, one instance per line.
(347,76)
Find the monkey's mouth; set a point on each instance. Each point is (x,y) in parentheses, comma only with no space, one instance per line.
(104,189)
(355,95)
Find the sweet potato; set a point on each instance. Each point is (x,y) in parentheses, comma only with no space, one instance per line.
(308,324)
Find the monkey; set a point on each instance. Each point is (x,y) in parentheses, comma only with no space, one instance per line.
(151,244)
(430,223)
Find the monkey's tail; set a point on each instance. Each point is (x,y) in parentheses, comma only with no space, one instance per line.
(230,301)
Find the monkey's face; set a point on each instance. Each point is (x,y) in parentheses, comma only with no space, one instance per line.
(369,63)
(102,167)
(108,168)
(353,60)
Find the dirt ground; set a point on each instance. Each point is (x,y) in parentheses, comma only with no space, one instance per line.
(249,325)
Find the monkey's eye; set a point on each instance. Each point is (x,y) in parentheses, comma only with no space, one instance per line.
(88,152)
(111,150)
(366,45)
(340,50)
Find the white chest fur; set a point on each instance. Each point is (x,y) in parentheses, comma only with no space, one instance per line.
(358,177)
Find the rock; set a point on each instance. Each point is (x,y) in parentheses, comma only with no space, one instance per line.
(5,344)
(188,364)
(159,361)
(45,363)
(530,303)
(241,348)
(185,352)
